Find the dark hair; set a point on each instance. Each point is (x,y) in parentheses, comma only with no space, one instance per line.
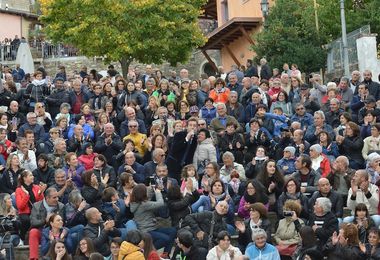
(220,80)
(51,218)
(308,236)
(139,193)
(221,235)
(21,177)
(148,244)
(209,99)
(260,207)
(96,256)
(43,156)
(346,115)
(86,177)
(185,237)
(52,253)
(116,240)
(134,236)
(174,192)
(306,159)
(206,132)
(108,193)
(124,178)
(298,187)
(90,247)
(285,94)
(262,106)
(377,126)
(263,175)
(328,136)
(170,102)
(355,128)
(361,207)
(216,168)
(186,168)
(102,158)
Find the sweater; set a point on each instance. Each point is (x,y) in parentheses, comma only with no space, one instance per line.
(268,252)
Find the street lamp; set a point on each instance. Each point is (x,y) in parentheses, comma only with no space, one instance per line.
(344,40)
(265,8)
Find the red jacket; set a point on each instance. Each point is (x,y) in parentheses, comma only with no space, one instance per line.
(325,166)
(87,160)
(22,199)
(3,149)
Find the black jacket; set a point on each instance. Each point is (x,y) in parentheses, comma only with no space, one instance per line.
(111,172)
(46,177)
(328,224)
(55,100)
(336,201)
(108,150)
(93,196)
(339,252)
(179,209)
(8,181)
(100,239)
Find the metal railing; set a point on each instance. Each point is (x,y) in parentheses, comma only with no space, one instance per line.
(39,50)
(335,50)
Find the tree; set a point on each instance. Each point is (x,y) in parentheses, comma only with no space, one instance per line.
(150,31)
(290,35)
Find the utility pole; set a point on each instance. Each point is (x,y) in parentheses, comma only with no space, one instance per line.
(344,40)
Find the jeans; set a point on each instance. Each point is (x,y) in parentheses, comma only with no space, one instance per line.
(163,237)
(75,235)
(130,225)
(203,203)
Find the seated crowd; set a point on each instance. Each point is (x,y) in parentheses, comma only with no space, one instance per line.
(150,167)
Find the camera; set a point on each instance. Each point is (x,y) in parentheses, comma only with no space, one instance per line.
(288,213)
(152,181)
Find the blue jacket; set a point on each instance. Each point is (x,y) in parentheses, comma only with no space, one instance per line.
(312,138)
(119,217)
(268,252)
(87,131)
(139,176)
(286,163)
(208,114)
(306,120)
(250,111)
(45,240)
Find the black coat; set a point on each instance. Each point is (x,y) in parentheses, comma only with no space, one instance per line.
(111,172)
(329,226)
(8,181)
(100,239)
(177,157)
(336,201)
(93,196)
(338,252)
(108,150)
(46,177)
(179,209)
(55,100)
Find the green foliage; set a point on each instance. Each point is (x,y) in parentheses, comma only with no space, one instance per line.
(150,31)
(291,36)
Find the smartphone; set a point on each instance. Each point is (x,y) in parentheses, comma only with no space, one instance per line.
(288,213)
(152,181)
(14,121)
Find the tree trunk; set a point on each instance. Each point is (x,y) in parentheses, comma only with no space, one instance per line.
(125,66)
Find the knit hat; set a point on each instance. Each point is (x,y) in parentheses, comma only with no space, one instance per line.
(290,149)
(316,147)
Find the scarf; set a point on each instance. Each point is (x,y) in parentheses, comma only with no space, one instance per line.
(49,209)
(292,196)
(32,198)
(38,82)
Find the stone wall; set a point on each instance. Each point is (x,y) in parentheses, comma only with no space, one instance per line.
(195,65)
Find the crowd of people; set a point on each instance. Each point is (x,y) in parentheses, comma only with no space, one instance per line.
(151,166)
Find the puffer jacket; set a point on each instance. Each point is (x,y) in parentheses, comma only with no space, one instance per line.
(179,209)
(205,151)
(208,114)
(129,251)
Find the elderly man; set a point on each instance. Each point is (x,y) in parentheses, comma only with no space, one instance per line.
(363,191)
(332,116)
(140,140)
(233,83)
(305,118)
(323,221)
(340,176)
(234,108)
(201,223)
(131,166)
(100,232)
(37,129)
(229,167)
(77,141)
(58,97)
(325,191)
(203,93)
(182,149)
(313,131)
(158,157)
(355,81)
(318,90)
(130,114)
(108,143)
(26,156)
(302,146)
(77,97)
(218,124)
(345,93)
(57,158)
(63,185)
(260,249)
(41,212)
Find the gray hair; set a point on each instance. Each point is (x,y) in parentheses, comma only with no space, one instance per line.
(58,141)
(164,81)
(335,100)
(49,191)
(228,154)
(345,79)
(75,197)
(31,114)
(320,113)
(325,204)
(258,232)
(222,105)
(59,171)
(205,83)
(344,159)
(232,74)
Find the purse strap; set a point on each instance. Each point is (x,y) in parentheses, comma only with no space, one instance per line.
(210,235)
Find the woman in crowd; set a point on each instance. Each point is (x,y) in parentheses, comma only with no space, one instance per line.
(372,142)
(220,93)
(363,221)
(320,162)
(258,219)
(183,113)
(54,231)
(292,191)
(255,192)
(329,147)
(85,249)
(211,174)
(102,120)
(58,251)
(308,246)
(372,248)
(156,141)
(115,248)
(87,158)
(351,145)
(144,216)
(369,121)
(73,169)
(27,193)
(92,189)
(10,175)
(163,94)
(224,249)
(180,204)
(150,252)
(132,247)
(344,245)
(62,125)
(273,182)
(256,163)
(205,151)
(104,173)
(287,234)
(282,102)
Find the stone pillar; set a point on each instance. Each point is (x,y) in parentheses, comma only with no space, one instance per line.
(367,55)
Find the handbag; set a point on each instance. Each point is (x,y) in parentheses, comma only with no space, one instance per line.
(287,250)
(6,224)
